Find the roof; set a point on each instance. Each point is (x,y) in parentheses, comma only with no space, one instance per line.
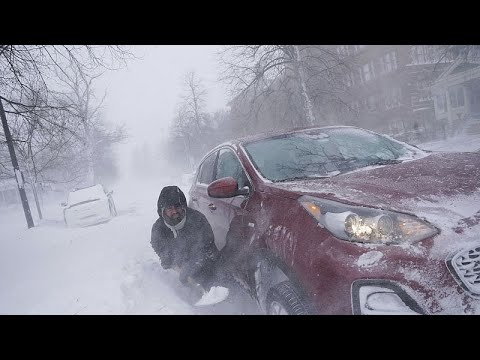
(262,136)
(464,67)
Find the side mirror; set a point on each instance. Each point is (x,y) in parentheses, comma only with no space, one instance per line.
(110,192)
(63,204)
(225,188)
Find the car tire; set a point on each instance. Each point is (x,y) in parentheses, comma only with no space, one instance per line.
(284,299)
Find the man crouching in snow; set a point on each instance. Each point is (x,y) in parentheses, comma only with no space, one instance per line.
(183,239)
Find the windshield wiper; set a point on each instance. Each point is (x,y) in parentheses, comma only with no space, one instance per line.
(308,177)
(384,162)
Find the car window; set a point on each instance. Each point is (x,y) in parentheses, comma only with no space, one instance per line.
(206,170)
(228,165)
(322,153)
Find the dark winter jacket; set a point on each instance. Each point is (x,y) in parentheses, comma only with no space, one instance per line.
(193,250)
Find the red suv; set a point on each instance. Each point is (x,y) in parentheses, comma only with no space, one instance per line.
(342,220)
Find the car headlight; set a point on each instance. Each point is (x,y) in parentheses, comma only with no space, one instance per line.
(367,225)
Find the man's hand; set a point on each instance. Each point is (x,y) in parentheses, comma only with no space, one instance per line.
(184,276)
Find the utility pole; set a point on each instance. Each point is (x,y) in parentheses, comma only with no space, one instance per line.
(18,174)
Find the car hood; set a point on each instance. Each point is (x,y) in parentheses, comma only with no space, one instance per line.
(442,188)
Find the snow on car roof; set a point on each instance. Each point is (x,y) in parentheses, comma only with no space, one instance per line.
(86,194)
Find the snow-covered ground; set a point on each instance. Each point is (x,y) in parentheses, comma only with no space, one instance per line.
(108,268)
(467,140)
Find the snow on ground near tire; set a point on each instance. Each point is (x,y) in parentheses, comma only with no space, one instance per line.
(108,268)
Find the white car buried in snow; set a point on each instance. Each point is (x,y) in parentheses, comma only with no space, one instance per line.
(89,206)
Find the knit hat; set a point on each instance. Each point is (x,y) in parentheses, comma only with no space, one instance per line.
(170,195)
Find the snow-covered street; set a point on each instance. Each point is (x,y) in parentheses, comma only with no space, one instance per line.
(108,268)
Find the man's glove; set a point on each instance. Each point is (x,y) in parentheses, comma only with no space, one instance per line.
(166,265)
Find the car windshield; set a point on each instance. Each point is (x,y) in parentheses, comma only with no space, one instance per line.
(324,153)
(86,194)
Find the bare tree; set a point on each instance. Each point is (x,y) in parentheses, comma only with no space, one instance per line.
(84,107)
(37,82)
(183,132)
(193,104)
(71,131)
(304,74)
(104,136)
(192,123)
(29,70)
(27,82)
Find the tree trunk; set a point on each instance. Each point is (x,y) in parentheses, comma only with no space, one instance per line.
(18,174)
(307,104)
(37,202)
(91,171)
(33,177)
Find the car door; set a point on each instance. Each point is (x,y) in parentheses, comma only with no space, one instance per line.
(224,211)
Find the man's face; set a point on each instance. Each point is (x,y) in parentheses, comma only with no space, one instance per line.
(174,214)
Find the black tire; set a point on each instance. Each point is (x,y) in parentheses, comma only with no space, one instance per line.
(285,295)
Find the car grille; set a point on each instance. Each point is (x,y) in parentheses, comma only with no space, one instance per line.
(465,266)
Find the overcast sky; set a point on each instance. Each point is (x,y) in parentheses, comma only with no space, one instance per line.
(144,95)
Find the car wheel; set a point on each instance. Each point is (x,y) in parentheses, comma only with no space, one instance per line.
(284,299)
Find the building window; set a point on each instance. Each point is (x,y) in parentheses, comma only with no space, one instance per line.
(441,102)
(367,72)
(350,79)
(424,91)
(371,103)
(372,69)
(388,62)
(393,97)
(418,54)
(361,77)
(455,95)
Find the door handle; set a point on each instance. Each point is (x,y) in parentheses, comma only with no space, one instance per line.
(194,199)
(212,207)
